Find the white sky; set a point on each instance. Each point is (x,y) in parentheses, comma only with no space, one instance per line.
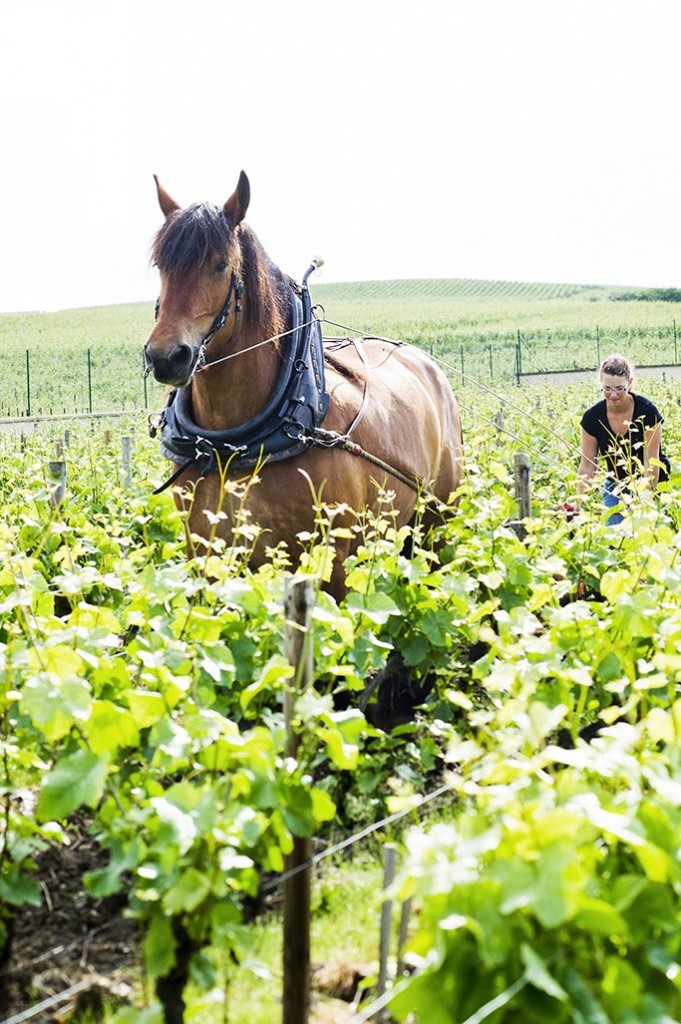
(505,139)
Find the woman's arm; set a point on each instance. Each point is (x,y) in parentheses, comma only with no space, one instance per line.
(651,450)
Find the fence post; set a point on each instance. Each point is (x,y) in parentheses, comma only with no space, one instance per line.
(28,383)
(56,472)
(499,423)
(598,346)
(390,857)
(144,378)
(676,354)
(402,936)
(126,450)
(521,467)
(298,603)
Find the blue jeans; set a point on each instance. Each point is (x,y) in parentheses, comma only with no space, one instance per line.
(610,499)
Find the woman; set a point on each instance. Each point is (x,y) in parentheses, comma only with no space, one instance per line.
(625,428)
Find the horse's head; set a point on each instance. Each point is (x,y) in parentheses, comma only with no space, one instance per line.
(198,256)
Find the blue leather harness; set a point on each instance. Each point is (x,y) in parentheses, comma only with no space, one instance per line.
(283,428)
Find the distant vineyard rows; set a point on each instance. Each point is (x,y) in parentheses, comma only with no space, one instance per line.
(449,288)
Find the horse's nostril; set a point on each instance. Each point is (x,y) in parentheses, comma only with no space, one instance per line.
(171,365)
(181,356)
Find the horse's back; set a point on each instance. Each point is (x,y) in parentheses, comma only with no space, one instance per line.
(410,415)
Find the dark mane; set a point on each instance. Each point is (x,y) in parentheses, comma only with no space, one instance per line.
(188,238)
(266,287)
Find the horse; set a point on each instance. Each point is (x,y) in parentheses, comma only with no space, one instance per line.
(257,392)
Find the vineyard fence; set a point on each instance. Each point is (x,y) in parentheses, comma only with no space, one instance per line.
(37,385)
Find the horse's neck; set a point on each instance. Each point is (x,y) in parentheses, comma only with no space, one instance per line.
(233,391)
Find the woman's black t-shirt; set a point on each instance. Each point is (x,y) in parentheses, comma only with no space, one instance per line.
(624,453)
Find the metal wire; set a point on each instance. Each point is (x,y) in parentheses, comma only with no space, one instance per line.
(351,840)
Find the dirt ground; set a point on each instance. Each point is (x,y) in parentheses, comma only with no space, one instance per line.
(71,940)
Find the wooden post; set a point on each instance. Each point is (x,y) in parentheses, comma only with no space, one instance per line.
(298,604)
(67,437)
(676,350)
(144,378)
(386,922)
(402,937)
(126,449)
(56,472)
(521,467)
(598,346)
(89,380)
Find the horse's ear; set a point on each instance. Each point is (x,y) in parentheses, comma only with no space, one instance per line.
(166,202)
(237,204)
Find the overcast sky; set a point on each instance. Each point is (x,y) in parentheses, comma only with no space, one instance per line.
(506,139)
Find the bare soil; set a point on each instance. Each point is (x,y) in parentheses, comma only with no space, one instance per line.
(71,940)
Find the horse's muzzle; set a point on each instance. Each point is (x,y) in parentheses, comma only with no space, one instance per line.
(173,366)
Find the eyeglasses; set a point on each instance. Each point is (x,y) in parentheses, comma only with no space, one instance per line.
(619,390)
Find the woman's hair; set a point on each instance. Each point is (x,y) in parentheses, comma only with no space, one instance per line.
(617,366)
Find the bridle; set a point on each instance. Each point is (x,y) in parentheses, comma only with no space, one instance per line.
(236,290)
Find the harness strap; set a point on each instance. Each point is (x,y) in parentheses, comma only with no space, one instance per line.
(178,473)
(359,348)
(331,439)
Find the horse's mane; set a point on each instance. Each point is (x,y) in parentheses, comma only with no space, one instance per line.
(189,236)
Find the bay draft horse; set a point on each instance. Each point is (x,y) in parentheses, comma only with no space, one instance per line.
(236,400)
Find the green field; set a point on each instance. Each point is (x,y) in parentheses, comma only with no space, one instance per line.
(473,326)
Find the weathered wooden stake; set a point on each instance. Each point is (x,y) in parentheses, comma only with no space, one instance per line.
(402,936)
(298,604)
(56,472)
(389,860)
(521,466)
(126,464)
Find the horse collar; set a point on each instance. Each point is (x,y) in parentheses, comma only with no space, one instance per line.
(282,429)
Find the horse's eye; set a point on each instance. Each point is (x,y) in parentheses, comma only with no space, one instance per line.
(220,266)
